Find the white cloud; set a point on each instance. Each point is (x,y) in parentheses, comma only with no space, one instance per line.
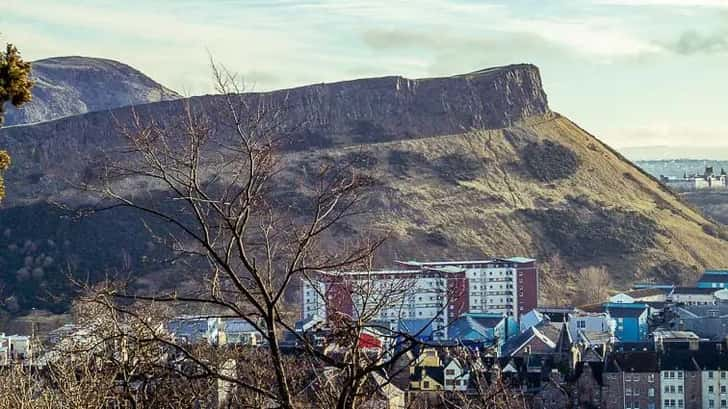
(666,133)
(604,37)
(678,3)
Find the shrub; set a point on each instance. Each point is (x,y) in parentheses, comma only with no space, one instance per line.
(581,234)
(454,167)
(361,160)
(549,161)
(402,162)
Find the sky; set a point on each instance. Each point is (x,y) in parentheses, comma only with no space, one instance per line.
(632,72)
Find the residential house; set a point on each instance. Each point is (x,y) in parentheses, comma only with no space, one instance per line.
(680,380)
(535,340)
(195,329)
(483,329)
(14,348)
(427,372)
(552,394)
(631,320)
(237,331)
(587,380)
(693,296)
(713,361)
(592,322)
(382,394)
(631,380)
(707,321)
(456,375)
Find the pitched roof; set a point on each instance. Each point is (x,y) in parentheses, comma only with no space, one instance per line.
(625,310)
(474,327)
(565,341)
(515,344)
(597,368)
(436,373)
(678,360)
(694,290)
(712,356)
(637,361)
(647,292)
(599,307)
(635,346)
(701,311)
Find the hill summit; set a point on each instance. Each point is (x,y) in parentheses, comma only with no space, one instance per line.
(66,86)
(468,166)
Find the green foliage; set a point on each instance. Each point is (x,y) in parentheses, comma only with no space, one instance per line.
(15,85)
(549,161)
(4,165)
(15,82)
(42,245)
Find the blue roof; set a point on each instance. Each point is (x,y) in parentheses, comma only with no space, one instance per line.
(716,272)
(625,309)
(469,328)
(416,327)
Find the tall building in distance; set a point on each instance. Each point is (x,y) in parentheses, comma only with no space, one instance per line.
(425,297)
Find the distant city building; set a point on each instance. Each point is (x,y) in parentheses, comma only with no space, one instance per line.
(427,297)
(709,180)
(713,279)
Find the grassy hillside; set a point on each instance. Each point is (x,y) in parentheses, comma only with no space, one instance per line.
(579,203)
(524,182)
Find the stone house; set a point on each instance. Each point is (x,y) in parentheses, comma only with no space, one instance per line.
(631,380)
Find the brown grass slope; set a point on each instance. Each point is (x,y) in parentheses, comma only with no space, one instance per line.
(469,166)
(475,194)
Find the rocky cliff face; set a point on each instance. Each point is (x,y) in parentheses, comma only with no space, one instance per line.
(469,165)
(66,86)
(311,117)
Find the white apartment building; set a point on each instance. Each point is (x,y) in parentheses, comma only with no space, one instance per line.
(590,322)
(434,292)
(714,389)
(673,389)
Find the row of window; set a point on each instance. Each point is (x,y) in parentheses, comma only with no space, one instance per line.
(636,392)
(711,389)
(672,374)
(723,403)
(672,389)
(711,374)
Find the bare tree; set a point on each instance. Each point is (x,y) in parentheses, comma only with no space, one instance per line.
(594,284)
(213,197)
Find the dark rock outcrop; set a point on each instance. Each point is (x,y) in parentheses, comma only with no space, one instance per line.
(316,116)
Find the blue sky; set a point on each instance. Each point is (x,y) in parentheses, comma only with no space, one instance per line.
(633,72)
